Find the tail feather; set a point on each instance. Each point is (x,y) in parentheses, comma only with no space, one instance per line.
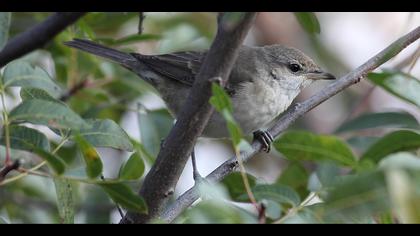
(122,58)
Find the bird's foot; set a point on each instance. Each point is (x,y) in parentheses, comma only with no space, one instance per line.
(265,138)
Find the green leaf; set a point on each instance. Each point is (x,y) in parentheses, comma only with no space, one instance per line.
(65,201)
(375,120)
(24,138)
(399,84)
(279,193)
(401,140)
(302,145)
(91,157)
(402,185)
(133,168)
(133,38)
(406,202)
(33,93)
(54,161)
(357,197)
(21,74)
(235,184)
(47,113)
(220,100)
(309,22)
(296,177)
(5,18)
(124,196)
(154,126)
(106,133)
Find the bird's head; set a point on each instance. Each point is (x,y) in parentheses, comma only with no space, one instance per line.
(292,68)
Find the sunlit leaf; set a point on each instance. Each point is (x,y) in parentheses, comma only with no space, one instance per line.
(47,113)
(21,74)
(400,84)
(125,197)
(375,120)
(133,168)
(302,145)
(309,22)
(24,138)
(91,157)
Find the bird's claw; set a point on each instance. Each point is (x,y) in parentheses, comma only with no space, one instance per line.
(265,138)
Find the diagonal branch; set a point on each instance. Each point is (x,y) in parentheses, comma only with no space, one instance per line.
(291,115)
(37,36)
(160,182)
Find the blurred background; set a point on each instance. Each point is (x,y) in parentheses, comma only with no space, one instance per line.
(346,40)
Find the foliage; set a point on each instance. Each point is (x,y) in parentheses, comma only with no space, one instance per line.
(79,163)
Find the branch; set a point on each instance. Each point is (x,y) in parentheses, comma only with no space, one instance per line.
(291,115)
(37,36)
(160,182)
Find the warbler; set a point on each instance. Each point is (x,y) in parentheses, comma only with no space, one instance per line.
(262,84)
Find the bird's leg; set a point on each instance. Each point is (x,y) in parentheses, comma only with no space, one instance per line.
(196,175)
(265,138)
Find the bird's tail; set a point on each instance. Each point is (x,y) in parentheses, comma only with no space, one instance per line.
(125,59)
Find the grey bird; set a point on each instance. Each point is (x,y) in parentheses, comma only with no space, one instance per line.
(262,84)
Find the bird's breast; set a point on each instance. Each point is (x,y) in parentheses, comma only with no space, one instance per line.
(258,103)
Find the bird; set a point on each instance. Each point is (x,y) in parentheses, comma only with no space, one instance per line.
(262,84)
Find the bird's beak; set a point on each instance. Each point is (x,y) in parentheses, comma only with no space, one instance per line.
(320,75)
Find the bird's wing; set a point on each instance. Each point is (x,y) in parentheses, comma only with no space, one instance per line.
(180,66)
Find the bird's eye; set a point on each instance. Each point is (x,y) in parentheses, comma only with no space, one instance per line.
(294,67)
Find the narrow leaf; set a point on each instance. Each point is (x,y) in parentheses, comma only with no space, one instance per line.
(400,84)
(53,160)
(220,100)
(375,120)
(21,74)
(133,168)
(106,133)
(24,138)
(302,145)
(276,192)
(5,18)
(34,93)
(91,157)
(65,201)
(309,22)
(401,140)
(235,184)
(47,113)
(125,197)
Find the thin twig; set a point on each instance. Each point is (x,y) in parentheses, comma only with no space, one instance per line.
(291,115)
(37,36)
